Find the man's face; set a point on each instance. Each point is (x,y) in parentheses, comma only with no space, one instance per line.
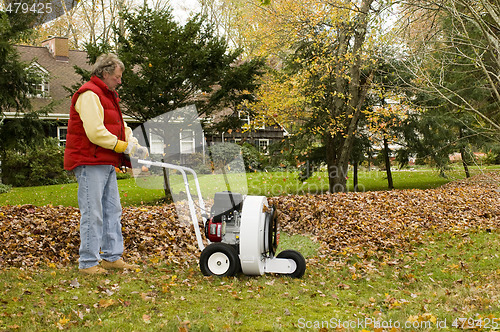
(114,79)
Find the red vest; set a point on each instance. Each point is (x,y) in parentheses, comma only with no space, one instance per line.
(79,149)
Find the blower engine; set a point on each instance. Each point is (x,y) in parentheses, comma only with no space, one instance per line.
(244,236)
(225,221)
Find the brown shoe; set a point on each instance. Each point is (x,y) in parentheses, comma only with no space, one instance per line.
(94,270)
(119,265)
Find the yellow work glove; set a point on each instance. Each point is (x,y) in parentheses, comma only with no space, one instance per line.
(134,150)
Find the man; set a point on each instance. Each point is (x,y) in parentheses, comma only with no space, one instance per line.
(96,142)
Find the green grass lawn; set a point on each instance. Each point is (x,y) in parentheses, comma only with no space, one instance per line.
(452,279)
(261,183)
(448,282)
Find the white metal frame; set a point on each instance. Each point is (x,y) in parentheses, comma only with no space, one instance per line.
(192,209)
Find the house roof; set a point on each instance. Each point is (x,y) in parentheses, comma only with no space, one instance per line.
(61,73)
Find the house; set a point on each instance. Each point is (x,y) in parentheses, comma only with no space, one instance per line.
(259,135)
(457,156)
(55,61)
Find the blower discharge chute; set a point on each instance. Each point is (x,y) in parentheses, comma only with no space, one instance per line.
(242,231)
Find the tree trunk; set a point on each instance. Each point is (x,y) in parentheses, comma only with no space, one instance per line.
(355,176)
(464,162)
(168,194)
(388,164)
(337,179)
(340,142)
(463,155)
(337,168)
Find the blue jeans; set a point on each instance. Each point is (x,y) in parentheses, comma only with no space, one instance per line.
(100,208)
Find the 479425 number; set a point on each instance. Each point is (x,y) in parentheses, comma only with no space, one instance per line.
(24,7)
(482,323)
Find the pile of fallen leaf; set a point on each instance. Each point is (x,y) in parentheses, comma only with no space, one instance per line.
(373,222)
(345,224)
(42,235)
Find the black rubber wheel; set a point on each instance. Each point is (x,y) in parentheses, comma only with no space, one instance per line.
(271,234)
(299,261)
(276,230)
(219,259)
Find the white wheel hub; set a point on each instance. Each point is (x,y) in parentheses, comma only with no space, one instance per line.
(218,263)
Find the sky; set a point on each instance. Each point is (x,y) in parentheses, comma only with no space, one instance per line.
(182,8)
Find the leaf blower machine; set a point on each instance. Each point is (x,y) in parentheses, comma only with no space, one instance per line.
(242,232)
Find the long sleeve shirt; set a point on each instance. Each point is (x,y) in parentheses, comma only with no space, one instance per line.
(91,113)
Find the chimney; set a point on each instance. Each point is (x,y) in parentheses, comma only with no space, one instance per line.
(58,48)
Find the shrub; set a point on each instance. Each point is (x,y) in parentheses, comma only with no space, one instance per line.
(226,154)
(199,162)
(36,166)
(4,188)
(251,157)
(120,175)
(491,158)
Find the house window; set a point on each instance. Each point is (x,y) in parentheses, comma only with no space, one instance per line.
(207,120)
(244,117)
(260,123)
(187,141)
(41,89)
(157,144)
(263,143)
(61,135)
(257,123)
